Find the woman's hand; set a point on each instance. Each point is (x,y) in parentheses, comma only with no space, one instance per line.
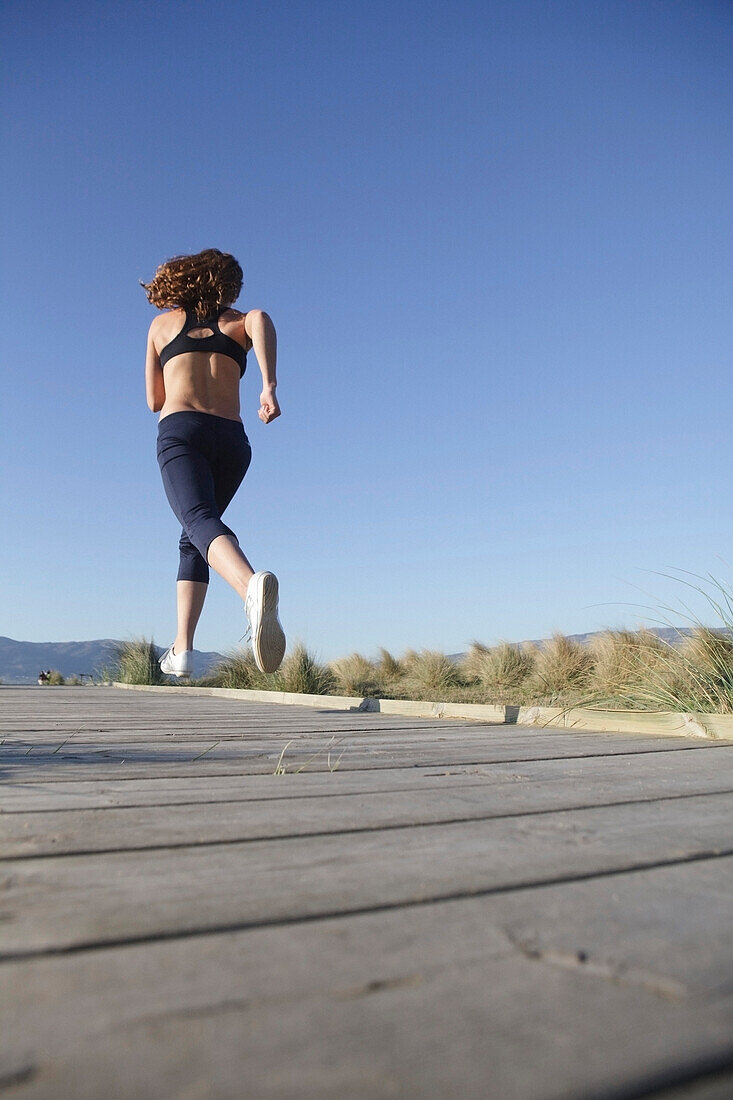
(269,408)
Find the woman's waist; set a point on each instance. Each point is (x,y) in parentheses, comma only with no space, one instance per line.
(199,391)
(188,408)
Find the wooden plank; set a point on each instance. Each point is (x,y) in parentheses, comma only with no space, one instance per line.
(173,761)
(138,827)
(174,891)
(440,1000)
(65,744)
(19,758)
(608,775)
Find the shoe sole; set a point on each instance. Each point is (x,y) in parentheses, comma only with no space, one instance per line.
(268,644)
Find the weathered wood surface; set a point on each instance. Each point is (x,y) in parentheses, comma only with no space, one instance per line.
(458,910)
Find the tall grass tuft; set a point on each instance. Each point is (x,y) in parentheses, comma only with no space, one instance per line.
(696,676)
(355,675)
(391,672)
(624,659)
(300,671)
(55,679)
(237,670)
(561,669)
(388,666)
(137,663)
(430,675)
(706,678)
(499,672)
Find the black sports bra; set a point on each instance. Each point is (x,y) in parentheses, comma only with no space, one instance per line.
(218,341)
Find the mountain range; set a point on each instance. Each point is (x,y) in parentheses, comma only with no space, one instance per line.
(20,662)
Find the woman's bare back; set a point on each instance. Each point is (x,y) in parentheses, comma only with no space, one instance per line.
(201,381)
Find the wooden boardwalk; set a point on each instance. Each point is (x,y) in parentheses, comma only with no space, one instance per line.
(457,910)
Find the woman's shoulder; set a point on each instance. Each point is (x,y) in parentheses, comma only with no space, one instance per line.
(164,318)
(165,325)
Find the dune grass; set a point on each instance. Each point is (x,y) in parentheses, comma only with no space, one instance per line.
(136,662)
(618,669)
(502,671)
(299,672)
(238,670)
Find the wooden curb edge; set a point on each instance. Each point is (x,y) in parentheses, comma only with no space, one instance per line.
(718,727)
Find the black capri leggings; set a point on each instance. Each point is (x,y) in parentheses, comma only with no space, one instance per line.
(202,460)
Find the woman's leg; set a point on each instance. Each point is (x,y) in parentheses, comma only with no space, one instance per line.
(190,596)
(229,562)
(203,461)
(224,554)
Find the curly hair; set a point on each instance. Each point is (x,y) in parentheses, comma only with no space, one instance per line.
(203,282)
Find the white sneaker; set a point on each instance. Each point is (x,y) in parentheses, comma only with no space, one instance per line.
(268,638)
(177,664)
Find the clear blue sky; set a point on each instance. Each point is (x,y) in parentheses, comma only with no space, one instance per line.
(495,241)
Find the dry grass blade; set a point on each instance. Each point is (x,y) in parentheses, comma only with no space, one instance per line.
(205,751)
(280,767)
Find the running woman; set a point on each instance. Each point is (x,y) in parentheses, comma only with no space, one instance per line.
(196,356)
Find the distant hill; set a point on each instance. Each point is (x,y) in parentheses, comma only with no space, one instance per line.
(671,634)
(20,662)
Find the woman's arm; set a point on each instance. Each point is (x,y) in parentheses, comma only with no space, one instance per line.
(154,386)
(261,331)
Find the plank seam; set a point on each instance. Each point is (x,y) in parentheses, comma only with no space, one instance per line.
(309,918)
(701,745)
(330,795)
(351,831)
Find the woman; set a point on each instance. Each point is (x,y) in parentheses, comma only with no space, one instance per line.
(196,355)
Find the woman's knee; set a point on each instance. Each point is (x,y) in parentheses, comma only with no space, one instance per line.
(191,565)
